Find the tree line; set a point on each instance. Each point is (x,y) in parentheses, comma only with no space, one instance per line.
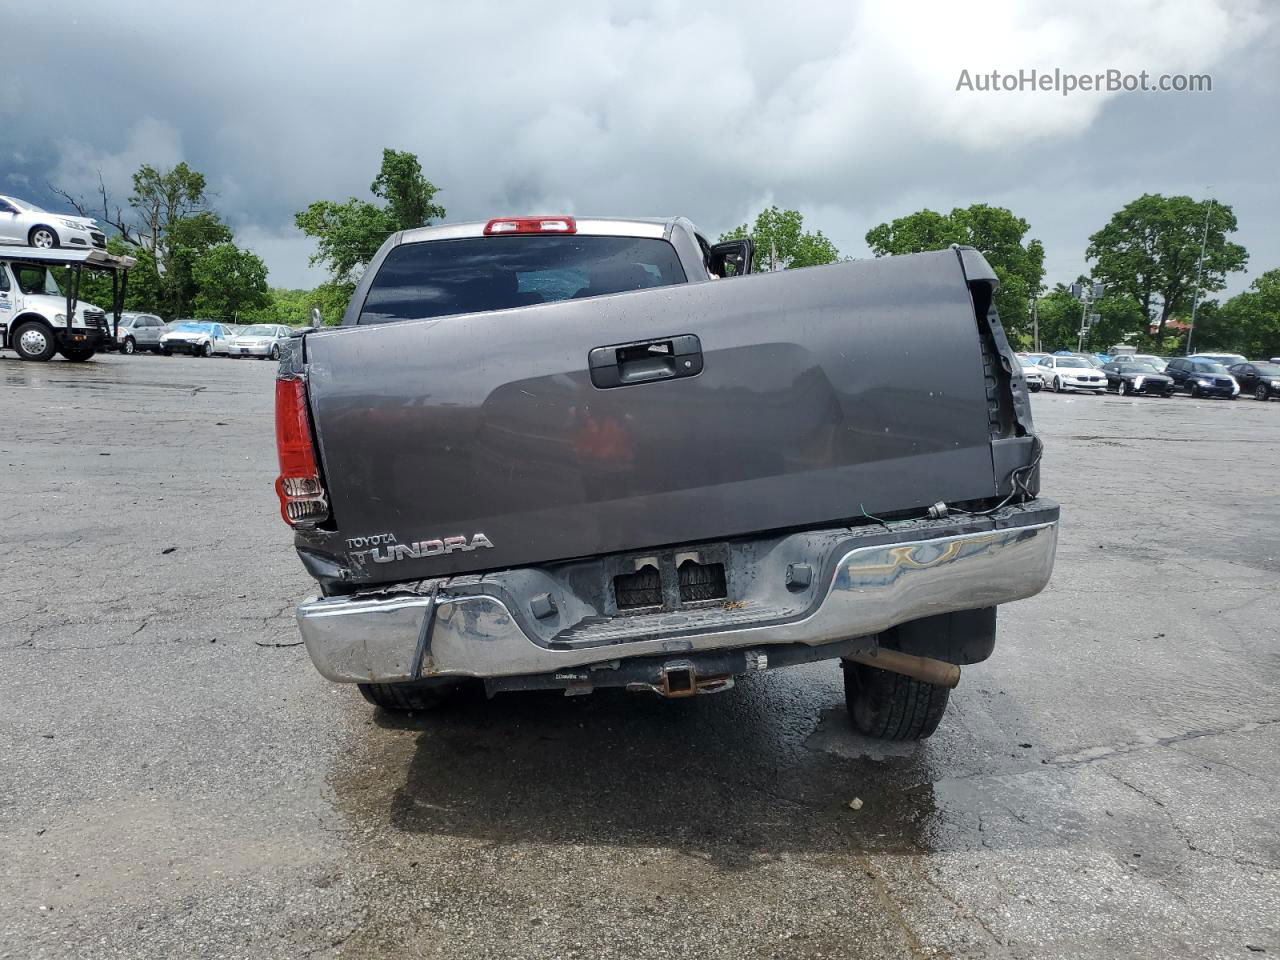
(187,259)
(1148,257)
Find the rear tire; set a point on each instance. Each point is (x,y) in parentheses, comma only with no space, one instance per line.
(1262,393)
(400,697)
(890,706)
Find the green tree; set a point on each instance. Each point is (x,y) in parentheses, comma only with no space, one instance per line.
(187,243)
(142,291)
(1249,322)
(285,306)
(348,234)
(1148,251)
(1119,318)
(161,199)
(995,232)
(409,195)
(169,226)
(230,281)
(1059,314)
(332,299)
(782,243)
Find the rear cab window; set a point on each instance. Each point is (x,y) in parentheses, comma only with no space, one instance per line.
(436,278)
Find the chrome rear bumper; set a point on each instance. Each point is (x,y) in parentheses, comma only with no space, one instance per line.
(382,638)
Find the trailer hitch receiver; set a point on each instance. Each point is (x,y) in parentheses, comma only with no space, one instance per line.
(680,678)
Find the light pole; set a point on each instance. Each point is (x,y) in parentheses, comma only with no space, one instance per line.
(1195,294)
(1088,295)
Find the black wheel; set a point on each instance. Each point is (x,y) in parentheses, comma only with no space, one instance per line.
(1036,387)
(1261,392)
(33,341)
(423,695)
(1195,392)
(275,351)
(891,706)
(46,238)
(129,347)
(205,350)
(77,354)
(1124,388)
(166,352)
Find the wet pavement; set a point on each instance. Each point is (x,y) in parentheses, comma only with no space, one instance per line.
(179,782)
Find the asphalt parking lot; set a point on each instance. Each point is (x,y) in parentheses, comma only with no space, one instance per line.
(179,782)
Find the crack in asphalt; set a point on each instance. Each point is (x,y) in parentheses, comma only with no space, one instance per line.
(1094,754)
(1181,834)
(891,906)
(963,911)
(1232,440)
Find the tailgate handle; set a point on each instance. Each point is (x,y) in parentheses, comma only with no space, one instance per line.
(623,364)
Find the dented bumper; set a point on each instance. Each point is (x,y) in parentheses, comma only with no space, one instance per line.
(865,581)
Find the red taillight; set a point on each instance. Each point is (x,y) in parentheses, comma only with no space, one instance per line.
(530,225)
(302,498)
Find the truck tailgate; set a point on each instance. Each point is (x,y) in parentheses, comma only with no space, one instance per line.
(824,394)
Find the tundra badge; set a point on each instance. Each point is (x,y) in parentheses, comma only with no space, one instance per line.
(389,553)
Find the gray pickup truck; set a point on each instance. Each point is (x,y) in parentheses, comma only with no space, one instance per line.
(559,453)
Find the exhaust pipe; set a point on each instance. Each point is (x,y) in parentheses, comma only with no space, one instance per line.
(925,669)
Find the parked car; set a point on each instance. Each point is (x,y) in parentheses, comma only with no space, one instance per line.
(1032,375)
(262,340)
(1072,373)
(1257,377)
(1089,358)
(602,491)
(1158,362)
(1127,377)
(25,223)
(200,338)
(1226,359)
(140,331)
(1202,378)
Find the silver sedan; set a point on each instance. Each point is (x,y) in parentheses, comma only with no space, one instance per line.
(262,340)
(26,224)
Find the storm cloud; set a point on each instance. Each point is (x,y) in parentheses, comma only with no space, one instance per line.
(848,112)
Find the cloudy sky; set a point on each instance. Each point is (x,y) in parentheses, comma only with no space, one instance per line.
(848,112)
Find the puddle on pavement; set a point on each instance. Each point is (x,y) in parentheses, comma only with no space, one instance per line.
(528,800)
(729,777)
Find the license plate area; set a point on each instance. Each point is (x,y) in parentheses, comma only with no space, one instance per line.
(670,580)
